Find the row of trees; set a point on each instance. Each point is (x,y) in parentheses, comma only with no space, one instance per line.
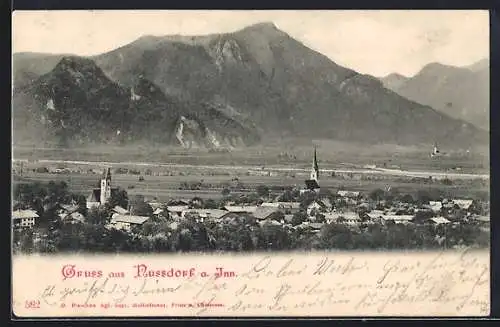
(243,234)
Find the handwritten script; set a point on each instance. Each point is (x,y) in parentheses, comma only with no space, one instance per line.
(315,284)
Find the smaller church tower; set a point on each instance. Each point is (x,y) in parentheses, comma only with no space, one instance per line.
(315,169)
(106,187)
(435,150)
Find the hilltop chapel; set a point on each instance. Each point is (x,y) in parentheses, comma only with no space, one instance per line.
(312,184)
(100,196)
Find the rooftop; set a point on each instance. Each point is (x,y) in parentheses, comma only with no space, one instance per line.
(128,219)
(264,212)
(19,214)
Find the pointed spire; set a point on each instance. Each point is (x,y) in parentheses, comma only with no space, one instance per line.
(107,174)
(315,160)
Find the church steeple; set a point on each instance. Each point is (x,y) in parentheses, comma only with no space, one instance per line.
(107,176)
(315,168)
(106,186)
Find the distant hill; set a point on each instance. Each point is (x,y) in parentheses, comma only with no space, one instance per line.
(460,92)
(256,81)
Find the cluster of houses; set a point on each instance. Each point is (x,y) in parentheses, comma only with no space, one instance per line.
(355,210)
(319,212)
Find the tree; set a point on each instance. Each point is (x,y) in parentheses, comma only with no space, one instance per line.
(377,194)
(225,191)
(141,208)
(298,218)
(262,190)
(320,218)
(210,204)
(423,197)
(97,216)
(196,202)
(407,198)
(423,216)
(447,181)
(119,198)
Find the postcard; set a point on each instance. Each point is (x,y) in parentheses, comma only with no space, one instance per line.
(250,163)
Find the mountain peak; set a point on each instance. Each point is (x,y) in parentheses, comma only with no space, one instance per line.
(75,60)
(263,25)
(396,75)
(76,63)
(265,28)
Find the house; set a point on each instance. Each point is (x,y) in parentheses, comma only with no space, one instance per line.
(286,207)
(349,217)
(265,213)
(69,213)
(73,218)
(100,196)
(316,206)
(120,210)
(348,194)
(269,222)
(439,220)
(374,214)
(398,219)
(237,218)
(176,211)
(310,228)
(126,222)
(24,219)
(158,211)
(240,209)
(178,203)
(462,203)
(435,205)
(204,214)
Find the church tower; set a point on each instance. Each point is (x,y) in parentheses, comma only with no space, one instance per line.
(315,169)
(106,187)
(435,150)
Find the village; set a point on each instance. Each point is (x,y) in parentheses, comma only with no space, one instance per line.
(303,211)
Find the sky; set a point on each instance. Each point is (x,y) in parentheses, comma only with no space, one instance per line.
(371,42)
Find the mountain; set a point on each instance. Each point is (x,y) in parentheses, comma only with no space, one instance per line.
(481,65)
(394,81)
(255,81)
(77,103)
(460,92)
(28,66)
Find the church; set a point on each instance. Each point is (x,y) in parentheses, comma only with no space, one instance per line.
(100,196)
(312,184)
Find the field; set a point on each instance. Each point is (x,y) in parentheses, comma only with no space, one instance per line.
(164,169)
(287,154)
(167,187)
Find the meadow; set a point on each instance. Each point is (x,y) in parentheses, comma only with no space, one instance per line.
(167,187)
(252,167)
(285,154)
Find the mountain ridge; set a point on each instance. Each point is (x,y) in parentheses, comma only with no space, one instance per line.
(459,92)
(281,87)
